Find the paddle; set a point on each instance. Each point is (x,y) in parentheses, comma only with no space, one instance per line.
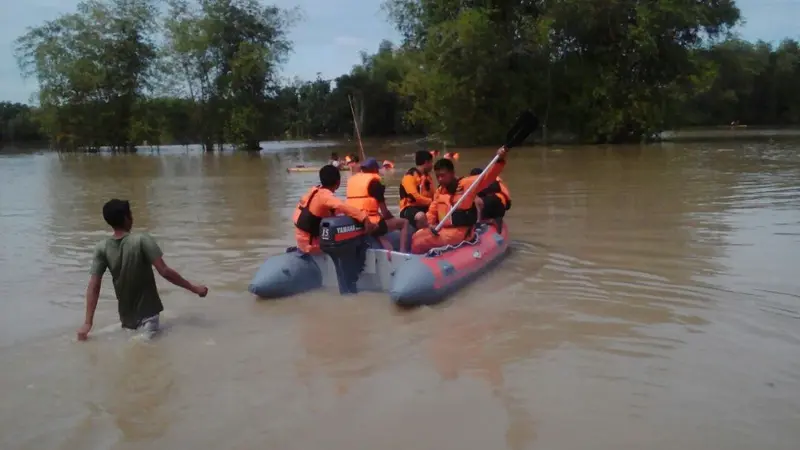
(524,126)
(358,133)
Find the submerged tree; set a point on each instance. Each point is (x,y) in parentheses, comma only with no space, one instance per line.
(92,67)
(610,71)
(226,54)
(19,123)
(620,64)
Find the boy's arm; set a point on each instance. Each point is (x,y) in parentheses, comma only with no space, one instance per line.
(155,256)
(99,266)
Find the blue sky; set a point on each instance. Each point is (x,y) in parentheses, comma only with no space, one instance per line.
(332,33)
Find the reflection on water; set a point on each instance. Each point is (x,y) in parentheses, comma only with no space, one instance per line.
(649,301)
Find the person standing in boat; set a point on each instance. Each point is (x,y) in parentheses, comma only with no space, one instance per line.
(319,203)
(366,191)
(416,190)
(130,257)
(461,224)
(353,161)
(496,198)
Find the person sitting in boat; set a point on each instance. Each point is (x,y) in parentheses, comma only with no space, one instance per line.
(353,163)
(416,190)
(461,224)
(366,191)
(319,203)
(334,160)
(496,198)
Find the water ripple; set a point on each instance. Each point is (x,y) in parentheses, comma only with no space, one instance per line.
(647,288)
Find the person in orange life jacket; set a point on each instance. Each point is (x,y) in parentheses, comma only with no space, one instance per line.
(365,191)
(416,190)
(451,155)
(318,203)
(496,198)
(461,224)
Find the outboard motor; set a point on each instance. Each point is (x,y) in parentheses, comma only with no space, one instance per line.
(344,240)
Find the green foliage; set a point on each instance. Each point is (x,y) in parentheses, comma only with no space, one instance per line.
(117,73)
(19,123)
(92,67)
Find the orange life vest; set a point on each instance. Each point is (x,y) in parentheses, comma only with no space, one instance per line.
(358,193)
(499,189)
(308,214)
(466,215)
(424,184)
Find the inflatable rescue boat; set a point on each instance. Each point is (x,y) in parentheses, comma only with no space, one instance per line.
(354,262)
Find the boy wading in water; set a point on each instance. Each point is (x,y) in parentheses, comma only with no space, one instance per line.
(130,257)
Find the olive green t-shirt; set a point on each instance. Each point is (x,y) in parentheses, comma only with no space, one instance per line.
(130,261)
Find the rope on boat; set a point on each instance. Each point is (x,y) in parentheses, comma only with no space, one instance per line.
(439,251)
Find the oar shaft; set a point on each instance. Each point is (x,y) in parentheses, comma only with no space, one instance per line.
(355,124)
(471,188)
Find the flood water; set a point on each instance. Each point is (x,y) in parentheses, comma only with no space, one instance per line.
(651,301)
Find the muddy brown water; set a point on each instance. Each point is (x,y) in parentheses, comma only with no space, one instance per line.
(651,301)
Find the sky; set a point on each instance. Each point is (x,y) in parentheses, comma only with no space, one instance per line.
(331,34)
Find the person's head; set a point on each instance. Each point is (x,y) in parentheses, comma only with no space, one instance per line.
(475,171)
(445,172)
(334,156)
(329,177)
(424,160)
(370,166)
(117,214)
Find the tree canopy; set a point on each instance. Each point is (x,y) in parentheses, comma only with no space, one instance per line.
(120,73)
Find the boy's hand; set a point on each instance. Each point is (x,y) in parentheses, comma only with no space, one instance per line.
(83,331)
(200,290)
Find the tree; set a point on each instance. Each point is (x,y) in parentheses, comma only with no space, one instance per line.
(621,64)
(19,123)
(116,73)
(92,67)
(226,54)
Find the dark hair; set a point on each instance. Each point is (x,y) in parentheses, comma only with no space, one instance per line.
(444,164)
(329,176)
(475,171)
(334,155)
(115,211)
(354,158)
(422,156)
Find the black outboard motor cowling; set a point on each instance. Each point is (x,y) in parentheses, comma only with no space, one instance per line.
(345,241)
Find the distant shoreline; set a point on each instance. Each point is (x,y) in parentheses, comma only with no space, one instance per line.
(728,134)
(681,135)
